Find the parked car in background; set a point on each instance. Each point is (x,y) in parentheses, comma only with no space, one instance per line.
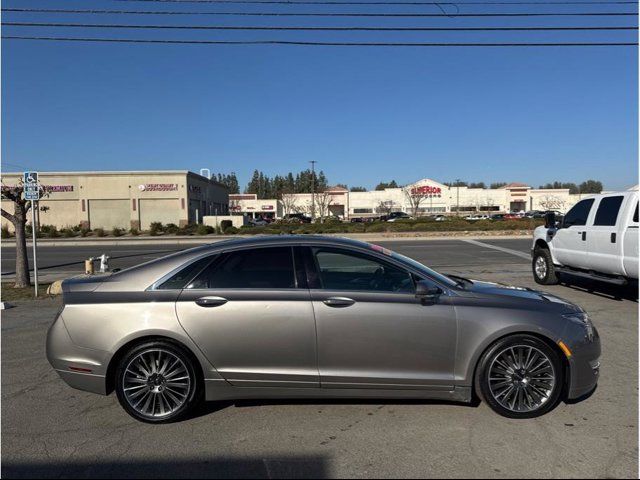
(440,218)
(597,238)
(297,218)
(497,216)
(259,222)
(511,216)
(393,216)
(296,316)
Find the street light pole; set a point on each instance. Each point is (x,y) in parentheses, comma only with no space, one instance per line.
(313,188)
(458,197)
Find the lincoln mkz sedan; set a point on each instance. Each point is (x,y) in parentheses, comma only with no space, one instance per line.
(305,316)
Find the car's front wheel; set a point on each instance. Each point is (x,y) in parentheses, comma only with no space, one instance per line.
(156,382)
(520,377)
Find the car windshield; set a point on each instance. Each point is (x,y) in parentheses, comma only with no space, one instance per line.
(417,265)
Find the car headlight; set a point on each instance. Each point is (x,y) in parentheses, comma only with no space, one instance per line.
(583,319)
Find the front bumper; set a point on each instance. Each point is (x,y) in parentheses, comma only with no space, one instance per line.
(584,367)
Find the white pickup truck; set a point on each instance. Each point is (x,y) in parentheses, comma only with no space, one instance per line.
(597,238)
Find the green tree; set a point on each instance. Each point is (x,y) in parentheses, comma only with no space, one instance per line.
(384,185)
(497,185)
(591,186)
(358,189)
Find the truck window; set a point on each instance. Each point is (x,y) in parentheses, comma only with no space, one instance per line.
(635,215)
(578,214)
(607,214)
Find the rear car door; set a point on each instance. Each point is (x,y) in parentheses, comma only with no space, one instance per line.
(570,241)
(372,330)
(630,245)
(604,244)
(252,319)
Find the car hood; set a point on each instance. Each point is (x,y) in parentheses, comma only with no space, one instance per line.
(501,289)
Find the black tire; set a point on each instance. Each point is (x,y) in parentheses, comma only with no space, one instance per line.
(488,360)
(188,373)
(547,275)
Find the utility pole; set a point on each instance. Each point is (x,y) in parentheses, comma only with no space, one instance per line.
(313,190)
(458,197)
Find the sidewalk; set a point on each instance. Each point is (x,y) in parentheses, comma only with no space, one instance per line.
(204,239)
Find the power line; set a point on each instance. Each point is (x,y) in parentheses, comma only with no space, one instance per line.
(315,28)
(326,44)
(315,14)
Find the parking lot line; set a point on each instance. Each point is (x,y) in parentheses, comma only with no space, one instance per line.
(500,249)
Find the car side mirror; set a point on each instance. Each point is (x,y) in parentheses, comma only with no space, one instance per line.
(550,220)
(426,292)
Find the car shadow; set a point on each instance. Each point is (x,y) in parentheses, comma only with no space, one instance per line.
(264,466)
(209,407)
(601,289)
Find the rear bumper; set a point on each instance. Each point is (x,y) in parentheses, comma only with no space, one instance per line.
(81,368)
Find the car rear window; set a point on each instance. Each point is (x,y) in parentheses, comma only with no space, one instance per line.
(607,214)
(269,267)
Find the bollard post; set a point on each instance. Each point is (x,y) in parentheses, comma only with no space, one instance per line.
(88,266)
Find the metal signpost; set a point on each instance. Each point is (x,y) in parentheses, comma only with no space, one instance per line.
(32,193)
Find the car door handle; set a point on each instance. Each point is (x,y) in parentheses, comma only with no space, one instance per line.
(338,302)
(211,301)
(613,238)
(584,235)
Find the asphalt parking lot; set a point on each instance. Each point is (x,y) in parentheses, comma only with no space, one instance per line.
(50,430)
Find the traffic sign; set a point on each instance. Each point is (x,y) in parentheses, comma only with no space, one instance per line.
(31,186)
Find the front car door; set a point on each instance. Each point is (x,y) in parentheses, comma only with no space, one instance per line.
(570,241)
(372,330)
(252,318)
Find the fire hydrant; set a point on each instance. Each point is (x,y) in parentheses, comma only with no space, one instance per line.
(104,265)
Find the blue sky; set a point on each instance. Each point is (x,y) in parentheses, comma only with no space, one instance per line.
(366,115)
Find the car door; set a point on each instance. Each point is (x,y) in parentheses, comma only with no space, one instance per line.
(570,241)
(372,330)
(252,318)
(604,245)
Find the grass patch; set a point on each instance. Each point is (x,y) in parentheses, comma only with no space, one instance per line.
(10,294)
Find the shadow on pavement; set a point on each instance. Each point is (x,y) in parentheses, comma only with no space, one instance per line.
(214,467)
(601,289)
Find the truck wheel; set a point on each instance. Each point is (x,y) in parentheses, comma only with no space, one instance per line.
(544,271)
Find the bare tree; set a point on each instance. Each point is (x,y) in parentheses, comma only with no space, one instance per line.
(289,203)
(414,197)
(551,202)
(19,221)
(323,201)
(385,207)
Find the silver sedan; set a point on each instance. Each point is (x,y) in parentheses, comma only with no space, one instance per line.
(305,316)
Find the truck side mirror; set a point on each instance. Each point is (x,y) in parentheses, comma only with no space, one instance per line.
(550,220)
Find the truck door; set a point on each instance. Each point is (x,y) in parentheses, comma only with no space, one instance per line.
(604,236)
(630,245)
(570,241)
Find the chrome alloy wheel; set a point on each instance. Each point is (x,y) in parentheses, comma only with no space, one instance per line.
(541,267)
(156,383)
(521,378)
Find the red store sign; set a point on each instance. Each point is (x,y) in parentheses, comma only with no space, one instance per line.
(426,190)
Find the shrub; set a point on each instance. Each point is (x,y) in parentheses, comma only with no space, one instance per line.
(187,230)
(99,232)
(134,232)
(171,228)
(155,228)
(4,232)
(231,230)
(377,227)
(117,232)
(68,232)
(224,224)
(204,230)
(84,231)
(50,231)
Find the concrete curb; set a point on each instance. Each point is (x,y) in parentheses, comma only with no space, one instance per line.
(178,240)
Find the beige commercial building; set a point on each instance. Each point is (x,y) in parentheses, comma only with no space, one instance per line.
(125,199)
(433,198)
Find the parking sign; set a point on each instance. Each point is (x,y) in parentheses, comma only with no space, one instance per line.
(31,186)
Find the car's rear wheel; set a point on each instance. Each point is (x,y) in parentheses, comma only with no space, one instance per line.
(520,377)
(156,382)
(544,271)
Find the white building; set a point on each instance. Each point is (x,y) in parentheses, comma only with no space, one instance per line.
(423,197)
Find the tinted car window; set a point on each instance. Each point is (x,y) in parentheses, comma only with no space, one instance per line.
(255,268)
(180,279)
(578,214)
(341,270)
(635,215)
(608,209)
